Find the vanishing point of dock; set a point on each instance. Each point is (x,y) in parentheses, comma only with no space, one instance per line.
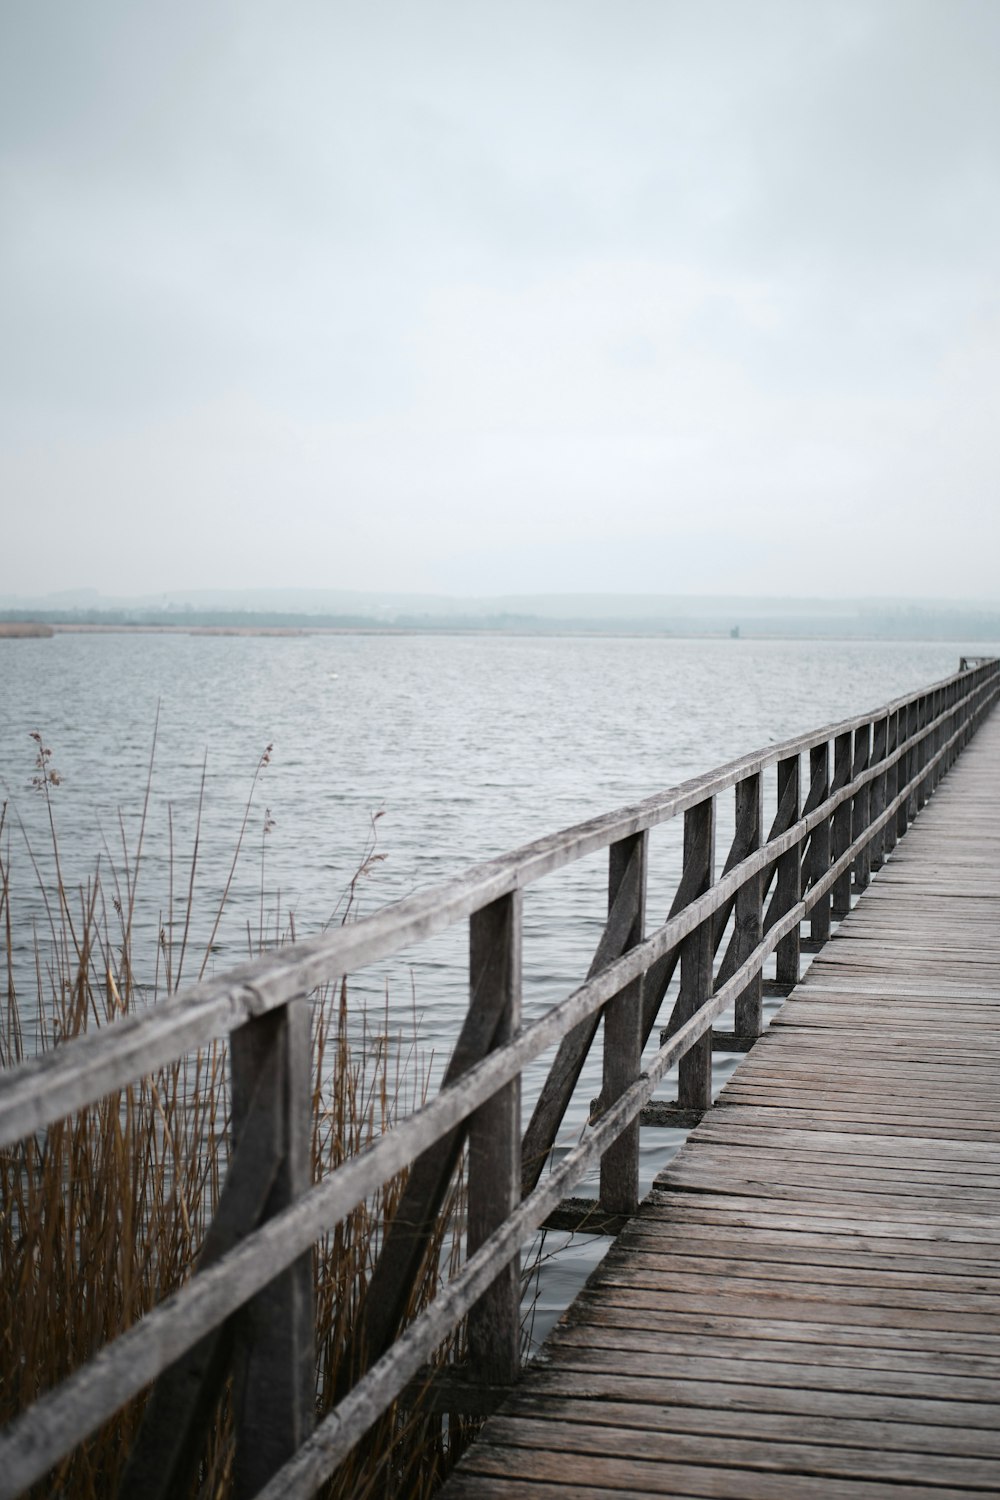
(807,1303)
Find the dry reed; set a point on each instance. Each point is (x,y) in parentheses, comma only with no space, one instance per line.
(104,1215)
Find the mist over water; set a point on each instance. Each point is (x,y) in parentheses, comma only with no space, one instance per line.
(467,746)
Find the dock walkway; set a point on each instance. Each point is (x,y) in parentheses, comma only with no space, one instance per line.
(806,1304)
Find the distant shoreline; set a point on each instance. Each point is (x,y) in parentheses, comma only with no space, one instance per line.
(535,629)
(25,629)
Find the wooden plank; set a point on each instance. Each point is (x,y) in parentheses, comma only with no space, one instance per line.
(816,1375)
(496,1472)
(819,1420)
(860,1346)
(586,1440)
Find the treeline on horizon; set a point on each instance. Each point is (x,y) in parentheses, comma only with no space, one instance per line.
(906,623)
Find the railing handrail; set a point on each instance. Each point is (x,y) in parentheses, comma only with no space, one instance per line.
(42,1090)
(886,763)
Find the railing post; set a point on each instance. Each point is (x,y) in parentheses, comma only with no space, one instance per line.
(902,774)
(924,750)
(623,1037)
(841,892)
(694,1083)
(788,881)
(936,710)
(494,1327)
(819,843)
(749,919)
(275,1388)
(891,782)
(861,806)
(879,747)
(905,765)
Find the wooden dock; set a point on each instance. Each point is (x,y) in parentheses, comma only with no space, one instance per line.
(802,1307)
(807,1303)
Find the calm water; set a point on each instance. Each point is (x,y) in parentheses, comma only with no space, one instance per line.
(467,746)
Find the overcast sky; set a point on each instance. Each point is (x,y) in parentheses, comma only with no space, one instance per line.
(665,295)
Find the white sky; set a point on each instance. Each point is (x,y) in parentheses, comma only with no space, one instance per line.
(479,298)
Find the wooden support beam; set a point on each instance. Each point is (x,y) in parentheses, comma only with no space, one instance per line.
(749,926)
(788,887)
(183,1403)
(623,1033)
(414,1224)
(861,806)
(733,1041)
(275,1356)
(841,836)
(494,1185)
(585,1216)
(668,1114)
(892,782)
(818,856)
(557,1090)
(694,1072)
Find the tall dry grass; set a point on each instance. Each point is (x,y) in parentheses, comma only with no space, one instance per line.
(104,1214)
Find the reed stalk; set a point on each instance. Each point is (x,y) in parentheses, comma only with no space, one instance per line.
(104,1215)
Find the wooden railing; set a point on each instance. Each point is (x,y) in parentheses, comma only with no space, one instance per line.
(867,777)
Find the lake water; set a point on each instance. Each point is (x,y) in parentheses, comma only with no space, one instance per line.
(468,746)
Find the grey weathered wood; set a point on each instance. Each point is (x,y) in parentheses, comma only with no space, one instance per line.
(275,1356)
(924,718)
(585,1216)
(656,980)
(819,842)
(785,820)
(413,1226)
(557,1091)
(494,1175)
(880,745)
(841,835)
(623,1035)
(749,901)
(861,806)
(892,778)
(694,1077)
(788,884)
(183,1402)
(905,768)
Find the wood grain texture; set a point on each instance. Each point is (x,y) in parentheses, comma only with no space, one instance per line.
(808,1302)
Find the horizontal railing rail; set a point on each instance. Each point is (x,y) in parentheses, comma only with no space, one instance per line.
(867,778)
